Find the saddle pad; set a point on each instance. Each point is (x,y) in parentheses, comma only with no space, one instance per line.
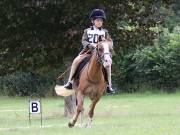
(80,67)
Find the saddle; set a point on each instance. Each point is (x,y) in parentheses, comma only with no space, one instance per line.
(76,76)
(82,64)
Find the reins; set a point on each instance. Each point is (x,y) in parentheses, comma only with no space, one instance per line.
(100,60)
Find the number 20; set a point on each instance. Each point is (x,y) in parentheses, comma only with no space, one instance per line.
(93,38)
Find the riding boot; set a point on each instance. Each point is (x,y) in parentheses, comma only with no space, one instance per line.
(68,85)
(110,90)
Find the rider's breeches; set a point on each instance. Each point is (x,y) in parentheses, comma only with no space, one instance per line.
(74,67)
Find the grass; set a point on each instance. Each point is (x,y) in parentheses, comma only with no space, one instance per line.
(125,114)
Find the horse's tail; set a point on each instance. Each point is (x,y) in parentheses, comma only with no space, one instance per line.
(61,91)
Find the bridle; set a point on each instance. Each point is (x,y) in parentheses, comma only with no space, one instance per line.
(100,57)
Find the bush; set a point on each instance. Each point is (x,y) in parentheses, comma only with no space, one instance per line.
(156,65)
(27,83)
(1,86)
(22,84)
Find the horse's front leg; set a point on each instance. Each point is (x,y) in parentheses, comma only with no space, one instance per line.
(91,112)
(80,99)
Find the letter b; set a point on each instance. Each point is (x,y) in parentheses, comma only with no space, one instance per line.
(34,107)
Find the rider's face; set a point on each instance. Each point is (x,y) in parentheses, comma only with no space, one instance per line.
(98,22)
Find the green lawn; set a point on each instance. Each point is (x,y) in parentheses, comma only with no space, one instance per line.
(125,114)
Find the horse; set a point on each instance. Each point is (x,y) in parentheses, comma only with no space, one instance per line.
(92,81)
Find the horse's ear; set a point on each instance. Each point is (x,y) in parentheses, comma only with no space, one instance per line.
(109,39)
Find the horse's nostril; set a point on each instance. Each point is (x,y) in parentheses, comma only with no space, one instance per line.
(106,60)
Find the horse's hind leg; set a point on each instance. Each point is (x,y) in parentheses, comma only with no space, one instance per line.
(91,112)
(80,99)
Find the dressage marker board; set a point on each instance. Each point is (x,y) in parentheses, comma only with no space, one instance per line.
(35,106)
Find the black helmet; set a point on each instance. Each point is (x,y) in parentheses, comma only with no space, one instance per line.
(97,13)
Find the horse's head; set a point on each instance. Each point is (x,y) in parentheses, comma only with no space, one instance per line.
(104,51)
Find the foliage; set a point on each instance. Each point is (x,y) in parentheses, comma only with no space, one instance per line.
(38,36)
(21,84)
(26,83)
(1,85)
(159,64)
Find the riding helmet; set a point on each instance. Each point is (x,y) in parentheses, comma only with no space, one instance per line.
(97,13)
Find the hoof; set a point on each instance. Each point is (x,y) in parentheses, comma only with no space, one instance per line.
(88,126)
(70,125)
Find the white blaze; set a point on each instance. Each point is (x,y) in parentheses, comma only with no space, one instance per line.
(107,59)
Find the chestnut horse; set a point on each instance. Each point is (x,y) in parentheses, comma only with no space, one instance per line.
(92,82)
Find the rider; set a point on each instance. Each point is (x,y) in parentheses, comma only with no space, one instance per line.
(89,41)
